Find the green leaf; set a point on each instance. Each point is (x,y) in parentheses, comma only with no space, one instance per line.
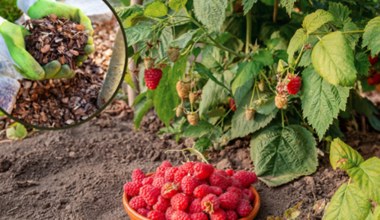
(16,131)
(265,57)
(296,43)
(183,40)
(244,80)
(281,154)
(140,32)
(362,64)
(340,12)
(367,176)
(128,14)
(202,144)
(213,94)
(156,9)
(176,5)
(352,39)
(333,59)
(371,36)
(247,5)
(142,106)
(202,70)
(211,13)
(288,5)
(166,97)
(321,98)
(348,203)
(202,128)
(314,21)
(343,156)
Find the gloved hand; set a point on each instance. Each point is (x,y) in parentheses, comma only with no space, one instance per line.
(40,8)
(12,47)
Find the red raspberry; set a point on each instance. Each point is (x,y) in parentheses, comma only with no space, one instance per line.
(150,194)
(143,211)
(137,175)
(218,215)
(169,190)
(201,191)
(147,181)
(169,212)
(246,178)
(202,170)
(220,179)
(230,172)
(216,190)
(160,171)
(231,215)
(373,60)
(180,215)
(235,190)
(188,167)
(188,184)
(158,182)
(169,174)
(232,104)
(199,216)
(156,215)
(180,201)
(162,204)
(179,175)
(195,206)
(294,84)
(249,194)
(132,188)
(244,208)
(236,183)
(229,200)
(210,203)
(152,78)
(373,80)
(137,203)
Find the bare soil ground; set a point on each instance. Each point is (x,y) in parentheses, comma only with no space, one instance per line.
(79,173)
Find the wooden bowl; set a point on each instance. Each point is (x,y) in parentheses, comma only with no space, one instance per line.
(136,216)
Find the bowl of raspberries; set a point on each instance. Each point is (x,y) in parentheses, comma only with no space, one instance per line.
(191,191)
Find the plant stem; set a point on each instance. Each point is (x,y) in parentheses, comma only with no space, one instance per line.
(298,58)
(249,31)
(275,11)
(282,119)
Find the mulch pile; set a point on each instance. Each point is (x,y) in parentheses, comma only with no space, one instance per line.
(59,103)
(52,38)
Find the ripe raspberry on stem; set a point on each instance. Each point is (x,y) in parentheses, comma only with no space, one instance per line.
(294,85)
(373,60)
(152,78)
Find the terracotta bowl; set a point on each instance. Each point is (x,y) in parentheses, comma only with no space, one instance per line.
(136,216)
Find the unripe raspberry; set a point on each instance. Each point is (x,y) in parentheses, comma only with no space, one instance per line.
(281,101)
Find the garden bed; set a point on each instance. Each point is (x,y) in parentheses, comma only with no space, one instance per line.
(59,103)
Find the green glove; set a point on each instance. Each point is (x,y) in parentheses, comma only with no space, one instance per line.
(42,8)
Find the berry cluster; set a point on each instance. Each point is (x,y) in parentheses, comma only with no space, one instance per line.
(291,85)
(374,78)
(192,191)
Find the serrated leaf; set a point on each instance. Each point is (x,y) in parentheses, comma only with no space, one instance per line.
(156,9)
(343,156)
(371,36)
(314,21)
(348,203)
(176,5)
(166,98)
(334,60)
(16,131)
(247,5)
(367,176)
(213,94)
(362,64)
(202,144)
(352,39)
(128,14)
(281,154)
(183,40)
(321,98)
(211,13)
(298,39)
(244,80)
(202,128)
(140,32)
(288,5)
(340,12)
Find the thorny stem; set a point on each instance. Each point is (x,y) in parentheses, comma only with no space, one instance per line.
(249,32)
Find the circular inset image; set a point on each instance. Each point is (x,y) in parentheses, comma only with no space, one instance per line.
(61,63)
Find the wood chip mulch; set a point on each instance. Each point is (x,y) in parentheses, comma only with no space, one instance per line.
(59,103)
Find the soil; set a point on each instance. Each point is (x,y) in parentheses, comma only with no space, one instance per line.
(79,173)
(59,103)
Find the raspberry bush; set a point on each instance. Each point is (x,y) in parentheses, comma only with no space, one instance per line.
(287,73)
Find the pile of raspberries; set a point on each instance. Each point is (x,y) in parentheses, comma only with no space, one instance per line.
(192,191)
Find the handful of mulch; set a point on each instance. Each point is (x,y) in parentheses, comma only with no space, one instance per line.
(52,38)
